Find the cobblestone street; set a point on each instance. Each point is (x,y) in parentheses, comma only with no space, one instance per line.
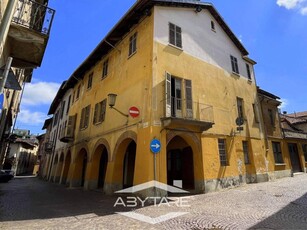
(31,203)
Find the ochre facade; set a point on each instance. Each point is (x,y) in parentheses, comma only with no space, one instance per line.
(190,105)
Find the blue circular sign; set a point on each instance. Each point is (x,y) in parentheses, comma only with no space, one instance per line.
(155,146)
(1,101)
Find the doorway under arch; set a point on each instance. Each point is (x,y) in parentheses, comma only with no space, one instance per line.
(180,163)
(99,167)
(59,168)
(103,164)
(80,169)
(128,165)
(66,168)
(54,166)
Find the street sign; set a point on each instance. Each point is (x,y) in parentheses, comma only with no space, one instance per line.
(1,102)
(240,121)
(155,146)
(134,112)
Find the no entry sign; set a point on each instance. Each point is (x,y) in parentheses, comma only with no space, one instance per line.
(134,112)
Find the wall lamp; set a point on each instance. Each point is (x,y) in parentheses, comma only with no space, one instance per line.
(111,102)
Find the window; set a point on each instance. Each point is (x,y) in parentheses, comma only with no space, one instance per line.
(277,153)
(78,92)
(132,44)
(234,64)
(240,107)
(178,97)
(68,104)
(73,97)
(255,113)
(212,25)
(100,111)
(188,98)
(249,76)
(271,116)
(63,108)
(55,119)
(90,81)
(304,147)
(223,152)
(246,152)
(105,68)
(175,35)
(85,116)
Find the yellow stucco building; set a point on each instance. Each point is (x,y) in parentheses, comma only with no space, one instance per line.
(181,77)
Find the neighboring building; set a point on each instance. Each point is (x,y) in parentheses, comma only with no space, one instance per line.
(24,32)
(41,155)
(46,148)
(187,81)
(59,108)
(295,135)
(22,155)
(277,155)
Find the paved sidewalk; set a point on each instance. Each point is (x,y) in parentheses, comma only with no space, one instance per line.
(31,203)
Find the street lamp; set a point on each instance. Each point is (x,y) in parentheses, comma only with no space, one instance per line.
(111,102)
(112,99)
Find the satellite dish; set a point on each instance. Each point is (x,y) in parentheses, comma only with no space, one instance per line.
(240,121)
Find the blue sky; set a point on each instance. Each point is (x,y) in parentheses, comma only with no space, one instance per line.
(274,32)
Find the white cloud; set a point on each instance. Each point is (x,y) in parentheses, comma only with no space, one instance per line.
(304,11)
(294,4)
(284,103)
(289,4)
(241,38)
(40,93)
(26,117)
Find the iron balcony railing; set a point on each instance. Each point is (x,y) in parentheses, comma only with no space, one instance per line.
(188,109)
(33,15)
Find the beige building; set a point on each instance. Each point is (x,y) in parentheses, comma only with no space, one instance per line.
(24,32)
(22,154)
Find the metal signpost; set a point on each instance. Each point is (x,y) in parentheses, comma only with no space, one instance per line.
(155,147)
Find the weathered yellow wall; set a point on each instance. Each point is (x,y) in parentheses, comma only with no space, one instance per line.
(272,130)
(219,89)
(129,78)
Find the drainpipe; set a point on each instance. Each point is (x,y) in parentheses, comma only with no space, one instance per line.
(6,22)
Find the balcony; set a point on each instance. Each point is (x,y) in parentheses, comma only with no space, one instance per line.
(29,33)
(182,113)
(67,133)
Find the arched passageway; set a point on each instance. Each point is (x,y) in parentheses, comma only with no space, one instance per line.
(129,164)
(66,168)
(180,163)
(80,168)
